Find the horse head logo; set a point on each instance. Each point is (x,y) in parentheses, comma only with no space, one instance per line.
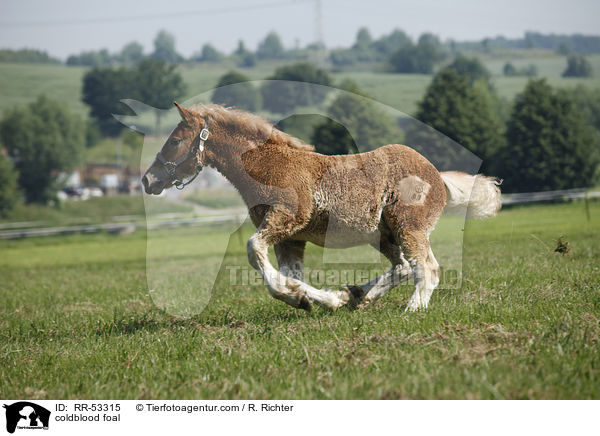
(26,414)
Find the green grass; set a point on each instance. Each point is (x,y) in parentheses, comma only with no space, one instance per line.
(216,198)
(98,209)
(107,150)
(77,321)
(22,83)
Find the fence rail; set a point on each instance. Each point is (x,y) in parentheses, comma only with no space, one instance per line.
(128,224)
(121,227)
(565,194)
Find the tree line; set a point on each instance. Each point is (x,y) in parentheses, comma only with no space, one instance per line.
(396,52)
(546,139)
(27,56)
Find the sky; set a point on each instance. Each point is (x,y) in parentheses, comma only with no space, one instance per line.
(64,27)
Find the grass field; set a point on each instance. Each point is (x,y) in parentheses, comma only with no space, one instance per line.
(77,321)
(96,210)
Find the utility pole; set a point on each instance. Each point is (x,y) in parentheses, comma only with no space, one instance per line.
(319,40)
(318,23)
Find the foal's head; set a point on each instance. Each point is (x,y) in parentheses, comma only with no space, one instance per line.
(181,156)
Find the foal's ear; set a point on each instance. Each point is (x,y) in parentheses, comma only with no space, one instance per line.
(186,114)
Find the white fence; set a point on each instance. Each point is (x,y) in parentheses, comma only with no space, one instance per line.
(120,227)
(131,223)
(566,194)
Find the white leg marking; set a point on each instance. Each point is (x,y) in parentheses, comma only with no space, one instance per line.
(286,288)
(426,273)
(378,287)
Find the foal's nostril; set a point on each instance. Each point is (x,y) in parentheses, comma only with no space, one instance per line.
(145,182)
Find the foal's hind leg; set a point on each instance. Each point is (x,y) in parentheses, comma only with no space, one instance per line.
(426,270)
(372,291)
(290,255)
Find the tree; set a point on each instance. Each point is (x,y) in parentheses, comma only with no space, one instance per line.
(248,60)
(245,58)
(406,60)
(563,49)
(243,95)
(549,146)
(388,44)
(577,66)
(210,54)
(431,48)
(472,68)
(131,53)
(587,102)
(459,111)
(91,58)
(362,50)
(103,89)
(270,47)
(365,49)
(528,71)
(371,126)
(285,95)
(510,70)
(363,39)
(42,139)
(26,55)
(164,48)
(479,77)
(241,49)
(158,83)
(420,58)
(9,193)
(342,57)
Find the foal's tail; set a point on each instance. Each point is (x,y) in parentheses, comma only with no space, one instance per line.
(479,194)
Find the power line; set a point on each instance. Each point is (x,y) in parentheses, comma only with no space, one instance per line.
(142,17)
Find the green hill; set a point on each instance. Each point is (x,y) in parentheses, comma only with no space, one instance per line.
(22,83)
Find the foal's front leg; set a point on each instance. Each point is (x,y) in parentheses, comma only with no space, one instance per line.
(294,292)
(279,286)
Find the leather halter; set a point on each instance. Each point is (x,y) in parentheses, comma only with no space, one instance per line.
(171,166)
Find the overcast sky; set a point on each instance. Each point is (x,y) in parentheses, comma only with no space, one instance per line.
(64,27)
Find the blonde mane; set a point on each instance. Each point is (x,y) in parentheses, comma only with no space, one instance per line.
(251,124)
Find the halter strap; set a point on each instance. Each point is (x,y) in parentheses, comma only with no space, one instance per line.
(171,166)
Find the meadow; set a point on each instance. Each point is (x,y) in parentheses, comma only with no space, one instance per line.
(22,83)
(95,210)
(77,321)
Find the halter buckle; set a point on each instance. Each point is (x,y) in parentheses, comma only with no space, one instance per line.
(204,134)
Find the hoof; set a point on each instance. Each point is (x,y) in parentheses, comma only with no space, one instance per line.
(304,304)
(354,294)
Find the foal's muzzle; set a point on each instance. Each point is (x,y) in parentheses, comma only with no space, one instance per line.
(152,185)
